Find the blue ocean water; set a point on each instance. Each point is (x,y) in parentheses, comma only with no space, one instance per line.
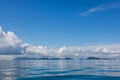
(59,70)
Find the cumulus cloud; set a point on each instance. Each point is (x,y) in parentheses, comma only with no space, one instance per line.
(38,50)
(9,43)
(73,52)
(12,45)
(101,8)
(106,50)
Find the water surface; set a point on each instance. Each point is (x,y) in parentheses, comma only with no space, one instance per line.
(60,70)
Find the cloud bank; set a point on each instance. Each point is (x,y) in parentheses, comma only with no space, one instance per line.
(11,46)
(101,8)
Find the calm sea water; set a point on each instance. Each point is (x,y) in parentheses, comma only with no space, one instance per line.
(60,70)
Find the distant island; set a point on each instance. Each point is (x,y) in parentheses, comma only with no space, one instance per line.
(27,58)
(66,58)
(96,58)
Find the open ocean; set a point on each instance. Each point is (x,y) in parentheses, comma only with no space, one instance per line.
(59,70)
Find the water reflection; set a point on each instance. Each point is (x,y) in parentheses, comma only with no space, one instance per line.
(12,70)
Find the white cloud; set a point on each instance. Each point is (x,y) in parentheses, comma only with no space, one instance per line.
(37,50)
(11,44)
(8,39)
(100,8)
(106,50)
(73,52)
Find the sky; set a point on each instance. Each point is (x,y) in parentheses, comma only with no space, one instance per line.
(59,23)
(62,22)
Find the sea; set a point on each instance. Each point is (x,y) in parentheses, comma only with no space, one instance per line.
(59,69)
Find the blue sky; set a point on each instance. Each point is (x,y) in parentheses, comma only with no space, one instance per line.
(62,22)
